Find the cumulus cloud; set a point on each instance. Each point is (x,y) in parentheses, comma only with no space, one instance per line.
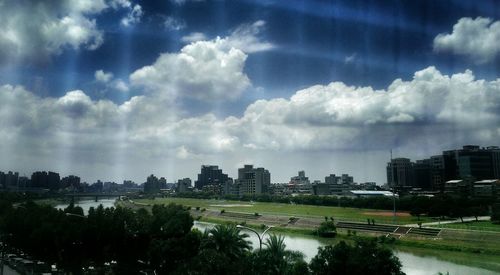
(431,110)
(477,38)
(102,76)
(106,78)
(120,85)
(246,37)
(204,70)
(193,37)
(34,30)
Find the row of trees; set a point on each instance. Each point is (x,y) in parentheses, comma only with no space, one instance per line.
(163,241)
(437,206)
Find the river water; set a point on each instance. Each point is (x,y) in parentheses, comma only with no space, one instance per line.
(412,264)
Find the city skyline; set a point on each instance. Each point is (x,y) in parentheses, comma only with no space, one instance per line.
(219,174)
(121,89)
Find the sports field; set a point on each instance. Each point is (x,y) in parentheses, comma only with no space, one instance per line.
(281,209)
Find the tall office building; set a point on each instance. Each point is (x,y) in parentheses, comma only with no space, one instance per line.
(422,174)
(253,180)
(2,179)
(183,185)
(438,175)
(40,179)
(400,173)
(471,161)
(210,175)
(71,182)
(152,185)
(53,181)
(495,160)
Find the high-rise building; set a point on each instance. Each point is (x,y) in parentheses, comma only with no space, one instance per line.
(422,174)
(152,185)
(495,160)
(253,180)
(162,183)
(300,179)
(72,182)
(53,181)
(210,175)
(332,179)
(300,184)
(40,179)
(400,173)
(346,179)
(183,185)
(471,161)
(438,176)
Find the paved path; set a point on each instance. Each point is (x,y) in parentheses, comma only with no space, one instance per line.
(468,219)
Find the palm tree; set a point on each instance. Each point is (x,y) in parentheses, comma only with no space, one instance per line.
(279,260)
(227,240)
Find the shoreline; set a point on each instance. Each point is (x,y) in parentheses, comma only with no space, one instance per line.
(307,226)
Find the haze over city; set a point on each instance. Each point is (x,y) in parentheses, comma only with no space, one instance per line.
(122,89)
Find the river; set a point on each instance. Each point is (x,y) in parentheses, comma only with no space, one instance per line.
(413,264)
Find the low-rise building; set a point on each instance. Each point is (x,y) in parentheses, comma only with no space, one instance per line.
(487,189)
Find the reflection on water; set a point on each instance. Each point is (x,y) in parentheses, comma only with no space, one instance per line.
(412,264)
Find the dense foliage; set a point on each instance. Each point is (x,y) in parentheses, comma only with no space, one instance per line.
(364,257)
(162,241)
(437,206)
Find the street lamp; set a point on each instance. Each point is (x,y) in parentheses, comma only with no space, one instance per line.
(256,233)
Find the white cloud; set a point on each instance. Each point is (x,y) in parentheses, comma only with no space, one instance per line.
(430,110)
(102,76)
(120,85)
(205,70)
(477,38)
(35,30)
(133,17)
(174,24)
(193,37)
(117,4)
(245,38)
(106,78)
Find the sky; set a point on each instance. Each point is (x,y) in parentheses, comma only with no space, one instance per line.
(121,89)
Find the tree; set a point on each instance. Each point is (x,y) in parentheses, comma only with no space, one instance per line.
(228,240)
(276,259)
(365,257)
(327,229)
(223,250)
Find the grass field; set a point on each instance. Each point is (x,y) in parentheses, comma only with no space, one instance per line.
(474,225)
(353,214)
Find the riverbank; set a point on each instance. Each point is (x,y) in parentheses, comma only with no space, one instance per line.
(466,241)
(439,258)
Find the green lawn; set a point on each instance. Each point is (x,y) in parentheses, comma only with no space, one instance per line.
(474,225)
(353,214)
